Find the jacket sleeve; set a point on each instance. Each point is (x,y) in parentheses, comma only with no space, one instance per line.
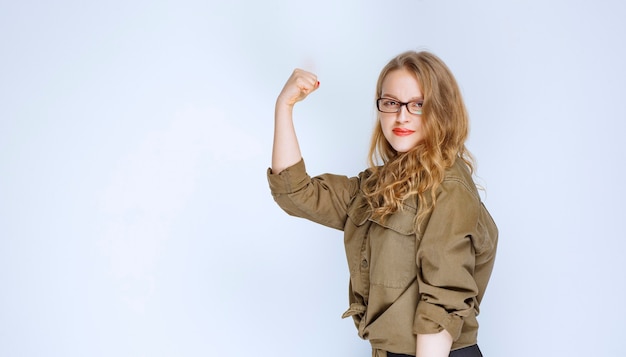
(322,199)
(446,261)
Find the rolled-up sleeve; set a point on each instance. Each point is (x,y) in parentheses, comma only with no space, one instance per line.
(446,262)
(322,199)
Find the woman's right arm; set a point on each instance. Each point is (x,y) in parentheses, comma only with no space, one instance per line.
(323,199)
(286,150)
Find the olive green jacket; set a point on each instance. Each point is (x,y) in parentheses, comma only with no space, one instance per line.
(404,279)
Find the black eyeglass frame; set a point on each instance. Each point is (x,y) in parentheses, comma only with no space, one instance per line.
(401,104)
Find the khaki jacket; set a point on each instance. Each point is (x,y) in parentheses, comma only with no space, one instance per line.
(404,279)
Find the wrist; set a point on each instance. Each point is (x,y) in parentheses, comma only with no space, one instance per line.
(283,106)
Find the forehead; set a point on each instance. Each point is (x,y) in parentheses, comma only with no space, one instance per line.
(401,82)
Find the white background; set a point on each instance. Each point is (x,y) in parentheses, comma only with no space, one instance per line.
(135,218)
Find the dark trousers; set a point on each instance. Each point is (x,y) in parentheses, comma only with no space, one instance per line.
(471,351)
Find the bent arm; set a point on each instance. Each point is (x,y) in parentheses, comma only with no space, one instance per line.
(286,150)
(446,257)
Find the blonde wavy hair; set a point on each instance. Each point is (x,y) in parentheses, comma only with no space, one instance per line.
(421,170)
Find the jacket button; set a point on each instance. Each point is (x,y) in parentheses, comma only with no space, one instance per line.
(364,264)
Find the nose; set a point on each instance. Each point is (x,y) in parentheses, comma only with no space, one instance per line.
(403,115)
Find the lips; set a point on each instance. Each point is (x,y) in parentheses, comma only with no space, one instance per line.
(402,131)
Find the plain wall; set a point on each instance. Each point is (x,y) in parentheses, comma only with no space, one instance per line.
(135,217)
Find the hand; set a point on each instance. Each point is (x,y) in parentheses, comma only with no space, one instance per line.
(299,85)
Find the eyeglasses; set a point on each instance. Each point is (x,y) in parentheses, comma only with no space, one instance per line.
(388,105)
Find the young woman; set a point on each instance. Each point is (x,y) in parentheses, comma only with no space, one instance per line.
(419,242)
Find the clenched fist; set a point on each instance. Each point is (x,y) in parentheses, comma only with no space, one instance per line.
(299,85)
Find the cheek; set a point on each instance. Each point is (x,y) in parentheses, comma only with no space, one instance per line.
(385,123)
(420,126)
(385,128)
(381,124)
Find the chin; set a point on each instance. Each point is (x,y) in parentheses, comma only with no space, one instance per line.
(401,149)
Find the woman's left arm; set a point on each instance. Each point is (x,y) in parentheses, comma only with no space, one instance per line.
(446,263)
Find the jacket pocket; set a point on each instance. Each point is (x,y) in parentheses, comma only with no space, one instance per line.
(393,249)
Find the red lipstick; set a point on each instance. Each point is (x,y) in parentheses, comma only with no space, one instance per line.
(402,131)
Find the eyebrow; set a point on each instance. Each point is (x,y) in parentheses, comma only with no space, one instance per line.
(414,99)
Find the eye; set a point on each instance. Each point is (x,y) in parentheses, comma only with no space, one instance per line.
(416,105)
(390,103)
